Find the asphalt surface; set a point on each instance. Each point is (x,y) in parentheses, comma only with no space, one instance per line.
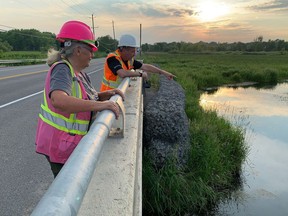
(25,175)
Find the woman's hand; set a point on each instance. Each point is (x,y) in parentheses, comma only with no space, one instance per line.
(110,105)
(113,92)
(119,92)
(106,95)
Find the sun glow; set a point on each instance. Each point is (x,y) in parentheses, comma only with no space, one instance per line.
(212,10)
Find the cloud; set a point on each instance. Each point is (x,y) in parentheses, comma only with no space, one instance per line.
(162,20)
(143,8)
(166,12)
(154,12)
(181,12)
(272,6)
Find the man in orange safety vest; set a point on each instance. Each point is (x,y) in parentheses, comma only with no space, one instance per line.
(121,64)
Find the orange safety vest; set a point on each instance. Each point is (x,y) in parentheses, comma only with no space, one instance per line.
(110,81)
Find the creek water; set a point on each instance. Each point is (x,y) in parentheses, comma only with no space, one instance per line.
(263,113)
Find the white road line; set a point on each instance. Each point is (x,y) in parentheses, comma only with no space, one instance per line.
(94,71)
(20,99)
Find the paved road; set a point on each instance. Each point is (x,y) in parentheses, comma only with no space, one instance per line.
(25,175)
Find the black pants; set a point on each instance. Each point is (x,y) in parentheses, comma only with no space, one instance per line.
(55,167)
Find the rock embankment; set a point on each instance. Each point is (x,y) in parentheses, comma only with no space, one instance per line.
(165,123)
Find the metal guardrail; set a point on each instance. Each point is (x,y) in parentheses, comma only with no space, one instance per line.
(16,61)
(65,194)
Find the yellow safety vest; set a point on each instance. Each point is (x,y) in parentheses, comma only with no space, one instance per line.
(72,123)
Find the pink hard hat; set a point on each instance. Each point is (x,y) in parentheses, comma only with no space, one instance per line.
(79,31)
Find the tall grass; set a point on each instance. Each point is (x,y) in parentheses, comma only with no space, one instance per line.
(218,149)
(217,152)
(217,68)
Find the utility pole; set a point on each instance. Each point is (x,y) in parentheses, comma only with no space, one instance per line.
(93,25)
(140,38)
(113,32)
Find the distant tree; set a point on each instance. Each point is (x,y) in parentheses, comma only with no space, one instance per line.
(107,43)
(29,39)
(145,47)
(212,46)
(160,47)
(258,44)
(34,40)
(222,47)
(48,41)
(280,45)
(270,45)
(171,47)
(5,46)
(259,39)
(183,46)
(199,47)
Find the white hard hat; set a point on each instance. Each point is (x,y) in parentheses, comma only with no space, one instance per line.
(127,40)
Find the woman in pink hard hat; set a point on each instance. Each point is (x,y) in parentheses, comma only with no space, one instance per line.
(69,100)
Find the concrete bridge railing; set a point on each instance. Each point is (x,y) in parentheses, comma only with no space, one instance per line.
(115,188)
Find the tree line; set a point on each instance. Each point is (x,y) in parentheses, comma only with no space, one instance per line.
(34,40)
(257,45)
(26,40)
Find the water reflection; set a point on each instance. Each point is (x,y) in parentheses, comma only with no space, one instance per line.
(265,191)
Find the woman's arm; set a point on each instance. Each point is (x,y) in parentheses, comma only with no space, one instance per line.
(69,104)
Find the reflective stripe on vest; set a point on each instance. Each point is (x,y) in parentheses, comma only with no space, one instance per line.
(64,124)
(56,120)
(111,84)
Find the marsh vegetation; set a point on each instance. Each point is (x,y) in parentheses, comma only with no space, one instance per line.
(218,149)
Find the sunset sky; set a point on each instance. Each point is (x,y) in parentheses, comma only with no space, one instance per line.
(162,21)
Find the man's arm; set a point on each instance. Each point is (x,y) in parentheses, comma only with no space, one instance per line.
(116,67)
(127,73)
(152,69)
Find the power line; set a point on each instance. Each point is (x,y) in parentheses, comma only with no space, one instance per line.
(73,8)
(113,43)
(24,3)
(82,6)
(107,49)
(8,26)
(74,5)
(37,10)
(61,6)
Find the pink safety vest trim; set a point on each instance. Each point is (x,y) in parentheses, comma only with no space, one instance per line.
(56,144)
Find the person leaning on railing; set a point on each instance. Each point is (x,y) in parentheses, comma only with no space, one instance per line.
(69,100)
(120,63)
